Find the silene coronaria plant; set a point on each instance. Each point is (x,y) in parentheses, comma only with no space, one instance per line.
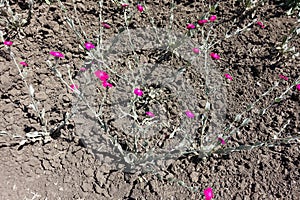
(141,96)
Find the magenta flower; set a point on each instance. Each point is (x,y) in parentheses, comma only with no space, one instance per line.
(106,84)
(214,56)
(213,18)
(73,87)
(228,76)
(196,50)
(24,64)
(138,92)
(89,45)
(202,21)
(150,114)
(283,77)
(208,193)
(56,54)
(105,25)
(260,24)
(189,114)
(82,69)
(298,87)
(190,26)
(140,8)
(102,75)
(7,43)
(222,140)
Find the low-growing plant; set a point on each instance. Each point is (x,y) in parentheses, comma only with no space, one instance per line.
(290,5)
(13,21)
(143,115)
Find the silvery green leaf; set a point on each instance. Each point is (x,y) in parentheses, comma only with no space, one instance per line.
(33,134)
(181,70)
(49,63)
(43,113)
(245,122)
(259,85)
(127,159)
(77,91)
(31,91)
(238,118)
(249,107)
(23,21)
(290,11)
(80,47)
(31,106)
(22,142)
(207,106)
(263,111)
(25,74)
(278,99)
(58,74)
(120,149)
(130,158)
(10,11)
(181,183)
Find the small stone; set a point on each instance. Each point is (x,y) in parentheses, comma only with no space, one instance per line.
(170,177)
(202,103)
(56,28)
(194,176)
(221,168)
(66,98)
(41,96)
(105,168)
(89,172)
(46,165)
(86,187)
(98,189)
(100,178)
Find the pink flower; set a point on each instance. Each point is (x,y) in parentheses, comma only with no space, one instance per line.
(140,8)
(214,56)
(283,77)
(212,18)
(73,87)
(124,5)
(102,75)
(190,26)
(105,25)
(298,87)
(196,50)
(222,140)
(150,114)
(56,54)
(7,43)
(24,64)
(82,69)
(202,21)
(260,24)
(89,45)
(138,92)
(228,76)
(189,114)
(208,193)
(106,84)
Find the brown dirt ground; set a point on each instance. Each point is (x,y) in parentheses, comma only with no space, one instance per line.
(64,169)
